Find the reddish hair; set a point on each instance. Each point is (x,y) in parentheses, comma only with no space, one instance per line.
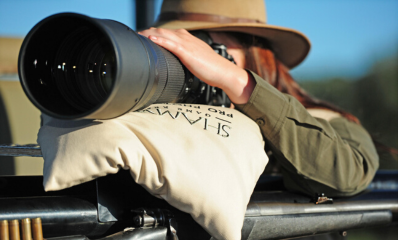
(263,62)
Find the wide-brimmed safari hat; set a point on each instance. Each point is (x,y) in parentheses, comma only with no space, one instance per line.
(244,16)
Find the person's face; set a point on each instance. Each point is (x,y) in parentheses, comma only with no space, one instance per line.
(234,48)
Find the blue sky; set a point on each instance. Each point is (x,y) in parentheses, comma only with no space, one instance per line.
(347,36)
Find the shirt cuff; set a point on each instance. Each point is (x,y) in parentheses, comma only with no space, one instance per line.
(267,106)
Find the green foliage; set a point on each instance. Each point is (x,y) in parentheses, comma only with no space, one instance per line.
(373,99)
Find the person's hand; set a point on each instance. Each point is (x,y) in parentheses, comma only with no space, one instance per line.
(201,60)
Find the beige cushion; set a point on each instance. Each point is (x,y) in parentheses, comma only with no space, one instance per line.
(203,160)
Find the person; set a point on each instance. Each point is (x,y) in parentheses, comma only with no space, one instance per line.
(319,147)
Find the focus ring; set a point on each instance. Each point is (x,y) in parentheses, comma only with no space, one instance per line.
(175,78)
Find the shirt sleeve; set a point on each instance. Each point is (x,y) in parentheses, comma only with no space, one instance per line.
(335,157)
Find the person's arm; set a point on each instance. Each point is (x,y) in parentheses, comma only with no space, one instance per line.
(314,154)
(337,158)
(203,62)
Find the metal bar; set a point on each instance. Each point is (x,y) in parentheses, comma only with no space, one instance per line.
(145,14)
(60,215)
(13,150)
(271,209)
(297,225)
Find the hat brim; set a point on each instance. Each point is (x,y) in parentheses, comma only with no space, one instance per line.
(290,46)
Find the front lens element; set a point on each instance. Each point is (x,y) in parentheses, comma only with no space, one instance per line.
(83,69)
(69,66)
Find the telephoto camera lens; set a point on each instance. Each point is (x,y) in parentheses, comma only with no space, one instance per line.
(72,66)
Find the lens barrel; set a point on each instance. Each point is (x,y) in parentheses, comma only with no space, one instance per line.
(72,66)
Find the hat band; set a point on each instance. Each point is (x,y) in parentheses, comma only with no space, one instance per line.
(202,17)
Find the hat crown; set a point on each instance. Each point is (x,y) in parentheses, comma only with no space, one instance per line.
(242,9)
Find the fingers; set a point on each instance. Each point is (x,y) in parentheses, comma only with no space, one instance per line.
(176,41)
(174,35)
(202,61)
(170,45)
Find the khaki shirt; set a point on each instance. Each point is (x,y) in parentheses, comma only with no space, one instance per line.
(335,157)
